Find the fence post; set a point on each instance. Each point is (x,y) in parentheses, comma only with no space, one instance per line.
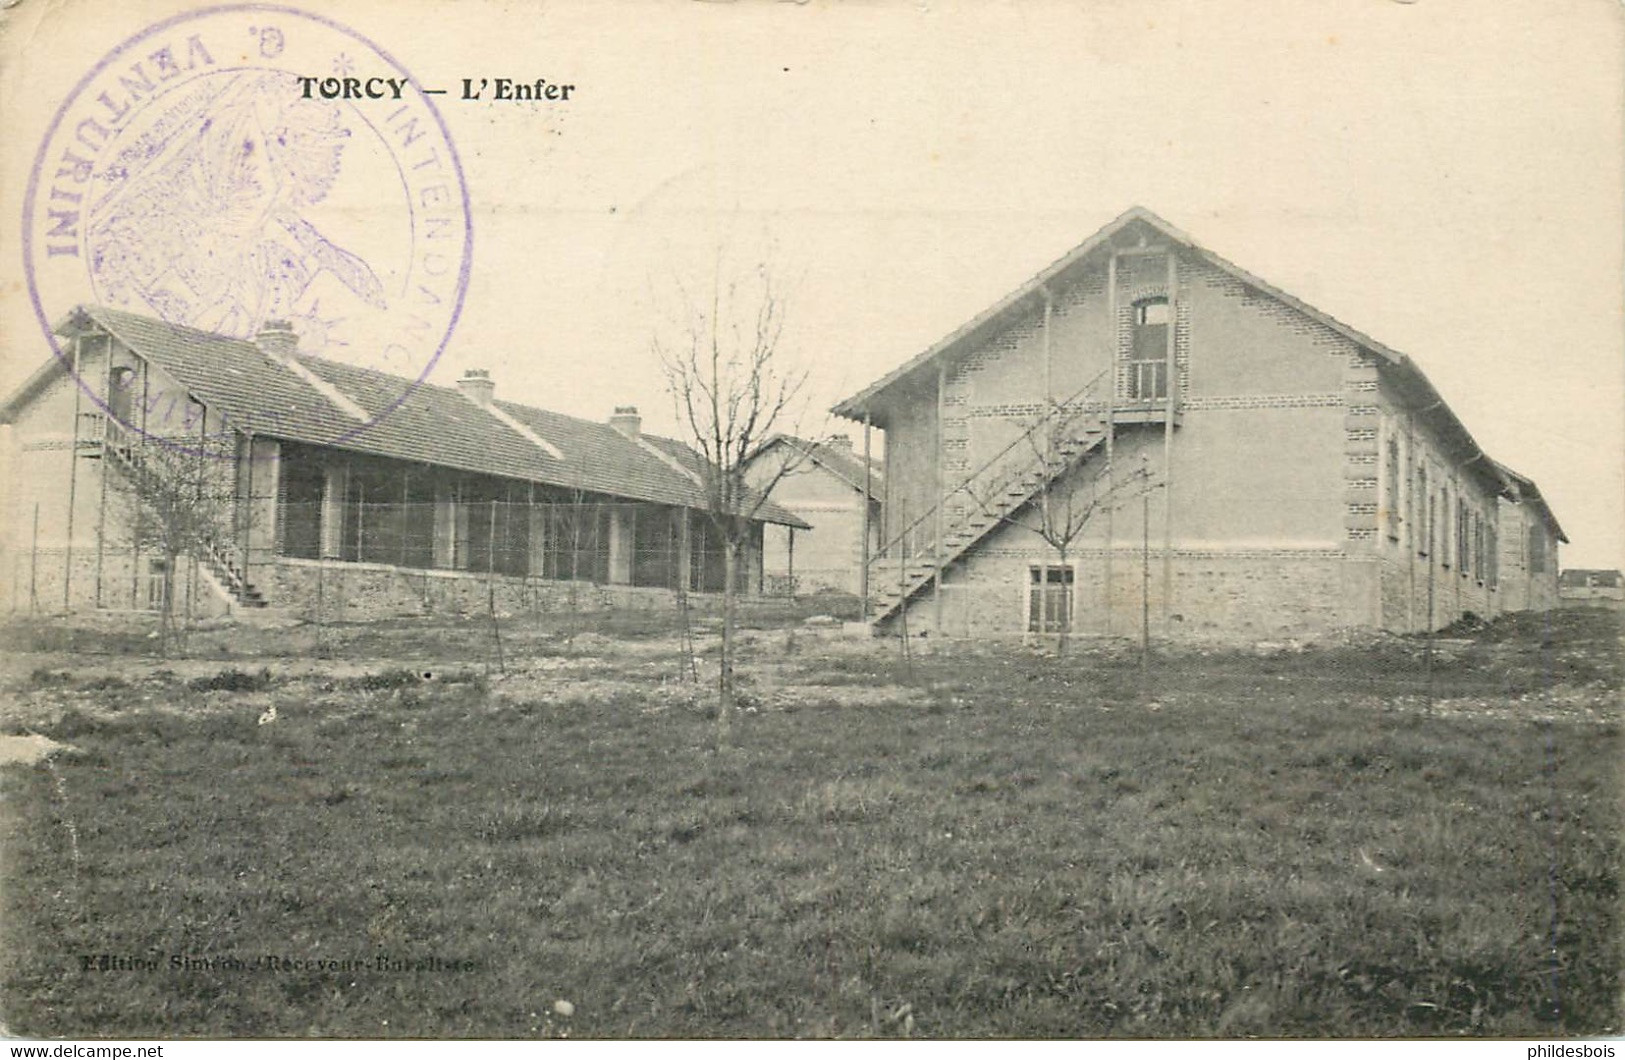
(33,566)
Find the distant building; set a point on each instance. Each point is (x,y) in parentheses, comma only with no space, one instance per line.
(375,493)
(1591,588)
(1259,469)
(827,486)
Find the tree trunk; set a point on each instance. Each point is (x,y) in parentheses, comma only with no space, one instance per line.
(725,675)
(166,611)
(189,617)
(1064,620)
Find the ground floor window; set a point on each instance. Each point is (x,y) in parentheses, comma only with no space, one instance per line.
(156,584)
(1049,597)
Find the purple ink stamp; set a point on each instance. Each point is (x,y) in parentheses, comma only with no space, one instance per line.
(203,174)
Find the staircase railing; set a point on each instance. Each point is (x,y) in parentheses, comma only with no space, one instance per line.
(1070,407)
(117,448)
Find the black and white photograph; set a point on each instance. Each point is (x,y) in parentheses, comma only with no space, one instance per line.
(671,520)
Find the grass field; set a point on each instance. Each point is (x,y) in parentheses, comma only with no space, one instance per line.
(977,844)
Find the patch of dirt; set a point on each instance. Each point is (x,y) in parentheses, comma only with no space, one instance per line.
(790,697)
(1584,704)
(26,750)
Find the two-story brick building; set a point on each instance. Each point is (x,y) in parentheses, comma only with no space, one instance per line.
(1247,465)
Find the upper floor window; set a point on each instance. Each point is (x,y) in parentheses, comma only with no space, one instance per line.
(1444,526)
(1492,556)
(1424,504)
(1537,550)
(1464,547)
(120,399)
(1479,557)
(1148,353)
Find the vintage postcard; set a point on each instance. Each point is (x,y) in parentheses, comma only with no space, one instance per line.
(805,520)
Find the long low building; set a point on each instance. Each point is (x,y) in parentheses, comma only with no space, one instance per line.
(317,481)
(1146,434)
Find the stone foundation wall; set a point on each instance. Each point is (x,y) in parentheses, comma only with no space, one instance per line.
(365,591)
(1405,595)
(32,582)
(1242,596)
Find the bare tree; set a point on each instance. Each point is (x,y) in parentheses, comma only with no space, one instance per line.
(186,508)
(1062,503)
(723,369)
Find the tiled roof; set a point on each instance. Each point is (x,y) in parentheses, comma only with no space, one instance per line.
(230,376)
(409,421)
(685,456)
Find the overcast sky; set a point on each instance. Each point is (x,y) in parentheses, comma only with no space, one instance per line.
(1443,176)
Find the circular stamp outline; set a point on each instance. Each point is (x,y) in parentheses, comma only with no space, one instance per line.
(30,192)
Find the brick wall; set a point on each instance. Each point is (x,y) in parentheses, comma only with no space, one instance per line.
(32,583)
(1400,464)
(1243,595)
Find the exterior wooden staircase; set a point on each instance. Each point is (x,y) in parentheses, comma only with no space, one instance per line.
(221,562)
(1058,441)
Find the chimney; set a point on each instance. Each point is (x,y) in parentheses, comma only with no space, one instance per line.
(627,421)
(840,441)
(476,386)
(277,341)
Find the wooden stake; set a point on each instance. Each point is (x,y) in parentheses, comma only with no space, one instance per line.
(101,506)
(73,475)
(1171,385)
(863,548)
(942,498)
(1111,432)
(33,566)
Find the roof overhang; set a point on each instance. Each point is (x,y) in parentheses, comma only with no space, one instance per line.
(1525,491)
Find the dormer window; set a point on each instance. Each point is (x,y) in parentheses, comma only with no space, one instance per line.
(1148,352)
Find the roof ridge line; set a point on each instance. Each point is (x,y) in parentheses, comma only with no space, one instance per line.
(345,402)
(667,459)
(507,419)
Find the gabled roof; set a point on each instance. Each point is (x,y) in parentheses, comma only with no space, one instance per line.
(687,458)
(419,422)
(838,460)
(1395,365)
